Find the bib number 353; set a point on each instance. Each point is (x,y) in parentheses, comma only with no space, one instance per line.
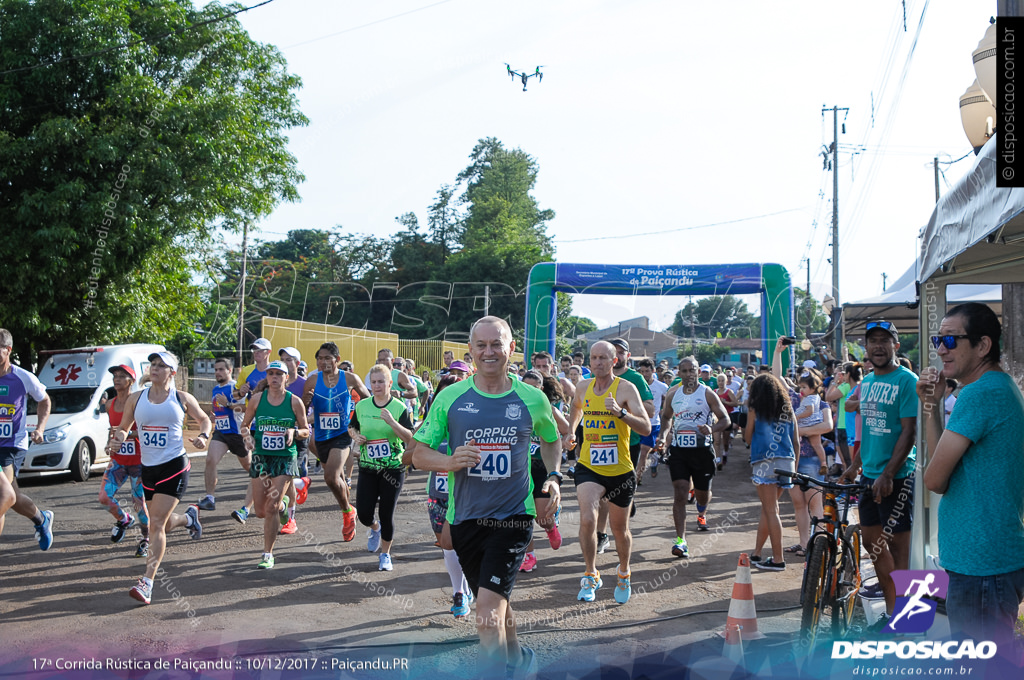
(495,462)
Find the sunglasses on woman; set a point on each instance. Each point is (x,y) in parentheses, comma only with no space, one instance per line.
(948,340)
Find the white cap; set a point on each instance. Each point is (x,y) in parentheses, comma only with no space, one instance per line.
(810,363)
(167,358)
(290,351)
(260,343)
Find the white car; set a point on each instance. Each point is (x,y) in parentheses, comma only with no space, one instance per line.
(77,429)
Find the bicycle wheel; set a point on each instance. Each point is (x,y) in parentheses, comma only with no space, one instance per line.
(816,587)
(849,581)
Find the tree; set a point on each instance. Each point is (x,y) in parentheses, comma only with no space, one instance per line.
(720,316)
(128,131)
(705,352)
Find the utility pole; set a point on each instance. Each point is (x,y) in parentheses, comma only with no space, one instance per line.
(837,312)
(884,277)
(809,309)
(241,295)
(935,166)
(487,300)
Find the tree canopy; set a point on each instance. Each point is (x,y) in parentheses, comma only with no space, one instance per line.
(716,316)
(128,132)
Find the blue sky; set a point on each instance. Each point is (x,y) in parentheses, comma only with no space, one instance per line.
(653,116)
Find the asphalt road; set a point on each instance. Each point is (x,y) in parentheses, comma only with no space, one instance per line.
(325,609)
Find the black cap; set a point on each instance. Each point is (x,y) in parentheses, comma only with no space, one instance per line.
(619,342)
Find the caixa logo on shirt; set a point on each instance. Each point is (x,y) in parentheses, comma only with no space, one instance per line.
(914,613)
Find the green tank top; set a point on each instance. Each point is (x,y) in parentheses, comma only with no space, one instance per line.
(383,448)
(271,424)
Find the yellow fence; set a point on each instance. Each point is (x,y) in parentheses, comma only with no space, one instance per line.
(357,345)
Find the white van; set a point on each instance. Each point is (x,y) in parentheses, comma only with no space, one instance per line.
(77,429)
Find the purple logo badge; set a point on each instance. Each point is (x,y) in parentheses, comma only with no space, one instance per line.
(916,592)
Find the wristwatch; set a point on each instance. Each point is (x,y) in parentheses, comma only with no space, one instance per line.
(623,413)
(557,475)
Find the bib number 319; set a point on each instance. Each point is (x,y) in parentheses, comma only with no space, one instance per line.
(495,462)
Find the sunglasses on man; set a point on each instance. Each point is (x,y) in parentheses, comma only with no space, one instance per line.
(948,340)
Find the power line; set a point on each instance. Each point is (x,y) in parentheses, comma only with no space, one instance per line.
(670,231)
(132,43)
(372,23)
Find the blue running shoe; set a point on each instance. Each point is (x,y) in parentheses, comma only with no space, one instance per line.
(622,590)
(44,532)
(195,528)
(588,587)
(460,606)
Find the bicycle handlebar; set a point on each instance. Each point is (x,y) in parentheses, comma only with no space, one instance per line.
(806,479)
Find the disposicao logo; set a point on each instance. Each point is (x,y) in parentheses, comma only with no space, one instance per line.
(914,613)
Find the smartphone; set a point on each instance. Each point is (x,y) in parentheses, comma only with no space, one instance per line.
(788,340)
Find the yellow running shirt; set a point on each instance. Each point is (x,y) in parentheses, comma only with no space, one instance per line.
(605,436)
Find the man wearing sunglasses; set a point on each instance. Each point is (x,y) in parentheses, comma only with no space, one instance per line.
(977,461)
(888,408)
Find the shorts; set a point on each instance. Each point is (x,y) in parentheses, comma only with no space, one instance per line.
(896,511)
(234,442)
(741,419)
(539,474)
(273,466)
(696,463)
(734,417)
(649,439)
(809,465)
(324,447)
(438,510)
(634,454)
(763,472)
(618,489)
(491,551)
(168,479)
(12,456)
(115,476)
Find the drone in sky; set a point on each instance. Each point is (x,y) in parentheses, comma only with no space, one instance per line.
(525,76)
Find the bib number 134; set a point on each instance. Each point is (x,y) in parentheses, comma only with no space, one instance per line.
(495,462)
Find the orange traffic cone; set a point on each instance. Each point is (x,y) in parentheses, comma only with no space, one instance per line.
(741,608)
(733,649)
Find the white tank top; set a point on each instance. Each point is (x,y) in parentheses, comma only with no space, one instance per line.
(160,428)
(689,411)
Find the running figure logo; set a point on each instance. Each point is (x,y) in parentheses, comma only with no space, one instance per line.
(914,613)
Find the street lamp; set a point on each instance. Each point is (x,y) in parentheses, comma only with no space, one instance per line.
(978,116)
(985,62)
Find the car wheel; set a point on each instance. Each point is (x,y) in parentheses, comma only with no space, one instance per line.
(81,462)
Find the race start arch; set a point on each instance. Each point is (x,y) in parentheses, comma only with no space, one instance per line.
(546,278)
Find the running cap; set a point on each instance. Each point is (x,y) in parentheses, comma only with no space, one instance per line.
(619,342)
(302,364)
(277,366)
(886,326)
(290,351)
(167,358)
(459,366)
(260,343)
(810,363)
(706,368)
(126,368)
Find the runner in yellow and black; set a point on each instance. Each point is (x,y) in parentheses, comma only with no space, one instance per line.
(278,418)
(610,409)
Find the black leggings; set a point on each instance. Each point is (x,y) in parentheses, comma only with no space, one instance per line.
(379,485)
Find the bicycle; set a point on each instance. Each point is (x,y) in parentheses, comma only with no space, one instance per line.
(832,577)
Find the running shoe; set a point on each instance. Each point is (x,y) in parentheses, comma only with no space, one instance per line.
(554,538)
(44,532)
(588,587)
(639,481)
(679,548)
(373,540)
(603,541)
(385,562)
(120,527)
(702,523)
(570,472)
(240,515)
(301,494)
(207,503)
(143,549)
(770,565)
(290,527)
(529,563)
(348,527)
(460,606)
(622,590)
(526,668)
(558,513)
(196,529)
(282,514)
(719,462)
(693,497)
(348,482)
(266,562)
(654,467)
(142,592)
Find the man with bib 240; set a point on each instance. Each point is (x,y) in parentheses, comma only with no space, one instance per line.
(610,407)
(488,420)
